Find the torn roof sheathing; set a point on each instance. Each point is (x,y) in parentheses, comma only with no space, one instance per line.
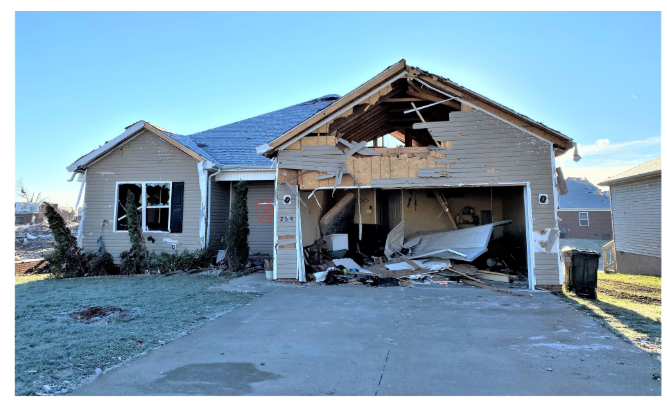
(397,71)
(229,145)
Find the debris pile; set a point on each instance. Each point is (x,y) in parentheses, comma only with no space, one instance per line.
(92,314)
(32,241)
(436,257)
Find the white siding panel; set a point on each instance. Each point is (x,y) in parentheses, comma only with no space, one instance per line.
(636,216)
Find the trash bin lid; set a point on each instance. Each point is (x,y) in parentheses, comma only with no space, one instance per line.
(584,251)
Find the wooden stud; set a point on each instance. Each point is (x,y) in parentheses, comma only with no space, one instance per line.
(417,111)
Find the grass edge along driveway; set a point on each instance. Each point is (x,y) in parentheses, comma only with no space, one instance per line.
(61,350)
(630,304)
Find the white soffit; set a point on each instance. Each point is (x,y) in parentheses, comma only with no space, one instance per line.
(246,175)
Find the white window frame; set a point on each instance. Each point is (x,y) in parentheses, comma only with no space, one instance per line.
(588,221)
(143,205)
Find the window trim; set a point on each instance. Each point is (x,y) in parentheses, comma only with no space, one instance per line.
(143,204)
(588,219)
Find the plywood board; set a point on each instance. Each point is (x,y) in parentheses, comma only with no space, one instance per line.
(310,141)
(399,167)
(376,163)
(385,168)
(362,171)
(296,145)
(285,174)
(310,182)
(347,180)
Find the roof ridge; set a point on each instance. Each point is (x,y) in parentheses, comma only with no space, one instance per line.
(311,101)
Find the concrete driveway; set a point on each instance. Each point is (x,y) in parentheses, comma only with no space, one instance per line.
(422,340)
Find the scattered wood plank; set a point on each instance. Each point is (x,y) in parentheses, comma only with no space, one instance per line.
(495,276)
(443,203)
(489,277)
(464,275)
(511,292)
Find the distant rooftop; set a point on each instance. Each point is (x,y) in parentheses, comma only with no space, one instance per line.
(582,194)
(650,168)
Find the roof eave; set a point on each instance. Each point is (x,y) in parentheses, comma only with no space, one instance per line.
(82,163)
(648,175)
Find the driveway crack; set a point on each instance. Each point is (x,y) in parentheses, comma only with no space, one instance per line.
(393,334)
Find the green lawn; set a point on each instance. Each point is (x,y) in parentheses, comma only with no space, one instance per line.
(54,349)
(21,279)
(630,304)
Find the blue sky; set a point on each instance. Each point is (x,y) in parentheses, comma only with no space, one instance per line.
(82,77)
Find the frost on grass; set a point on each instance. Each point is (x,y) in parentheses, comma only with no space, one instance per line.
(67,329)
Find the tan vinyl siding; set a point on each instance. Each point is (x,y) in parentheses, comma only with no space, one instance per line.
(219,210)
(261,231)
(636,217)
(485,151)
(481,142)
(144,158)
(286,261)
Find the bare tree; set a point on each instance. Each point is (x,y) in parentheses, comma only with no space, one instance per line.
(29,196)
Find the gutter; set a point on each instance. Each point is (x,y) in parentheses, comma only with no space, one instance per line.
(208,218)
(628,179)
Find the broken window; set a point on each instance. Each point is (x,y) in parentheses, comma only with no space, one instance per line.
(157,206)
(121,211)
(156,197)
(583,218)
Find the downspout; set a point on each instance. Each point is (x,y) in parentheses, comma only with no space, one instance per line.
(208,218)
(79,233)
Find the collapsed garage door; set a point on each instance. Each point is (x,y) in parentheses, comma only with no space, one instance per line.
(260,216)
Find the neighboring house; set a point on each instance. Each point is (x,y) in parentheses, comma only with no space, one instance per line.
(477,152)
(27,212)
(585,211)
(34,212)
(635,205)
(184,182)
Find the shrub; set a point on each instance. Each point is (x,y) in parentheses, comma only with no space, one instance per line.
(238,229)
(128,264)
(135,263)
(100,264)
(67,260)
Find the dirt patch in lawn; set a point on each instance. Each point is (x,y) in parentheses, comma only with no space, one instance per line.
(95,313)
(637,298)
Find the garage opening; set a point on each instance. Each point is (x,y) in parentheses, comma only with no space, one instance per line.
(427,219)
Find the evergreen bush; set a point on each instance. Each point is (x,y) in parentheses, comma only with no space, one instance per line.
(134,260)
(67,260)
(238,229)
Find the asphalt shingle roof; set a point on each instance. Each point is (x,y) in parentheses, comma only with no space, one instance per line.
(235,143)
(652,166)
(582,194)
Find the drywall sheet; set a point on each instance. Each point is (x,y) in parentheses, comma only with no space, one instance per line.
(544,240)
(462,244)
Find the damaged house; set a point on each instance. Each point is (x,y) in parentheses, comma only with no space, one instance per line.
(182,183)
(470,180)
(471,175)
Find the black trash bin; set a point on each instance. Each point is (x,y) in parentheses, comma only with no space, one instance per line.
(581,271)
